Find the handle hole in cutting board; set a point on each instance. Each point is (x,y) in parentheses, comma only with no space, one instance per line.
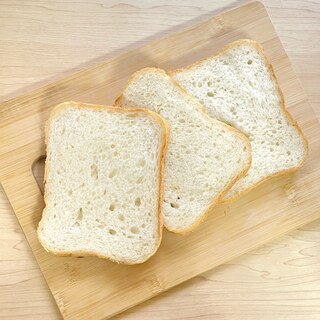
(38,172)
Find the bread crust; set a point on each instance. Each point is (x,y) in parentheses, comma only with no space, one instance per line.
(164,138)
(201,108)
(292,121)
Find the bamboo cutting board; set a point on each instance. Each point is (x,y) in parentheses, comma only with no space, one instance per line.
(91,288)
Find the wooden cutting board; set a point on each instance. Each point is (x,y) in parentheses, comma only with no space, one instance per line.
(91,288)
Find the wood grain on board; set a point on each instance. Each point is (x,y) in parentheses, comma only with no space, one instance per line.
(25,119)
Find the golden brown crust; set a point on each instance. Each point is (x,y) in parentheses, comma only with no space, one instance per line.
(201,108)
(164,139)
(294,123)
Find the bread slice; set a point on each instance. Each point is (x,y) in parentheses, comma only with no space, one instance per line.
(103,176)
(238,86)
(205,156)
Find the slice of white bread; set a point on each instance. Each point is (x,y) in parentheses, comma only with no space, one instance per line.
(205,156)
(238,86)
(103,190)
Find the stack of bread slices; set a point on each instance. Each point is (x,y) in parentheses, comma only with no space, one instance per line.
(172,147)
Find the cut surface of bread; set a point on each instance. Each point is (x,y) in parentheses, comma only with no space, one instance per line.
(103,190)
(238,86)
(205,156)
